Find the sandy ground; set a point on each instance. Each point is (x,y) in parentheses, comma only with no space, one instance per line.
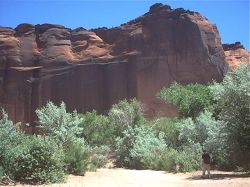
(148,178)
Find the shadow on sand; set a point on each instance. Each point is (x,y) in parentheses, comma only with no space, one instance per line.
(220,176)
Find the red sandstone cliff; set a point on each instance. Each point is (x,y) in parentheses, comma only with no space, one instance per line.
(93,69)
(236,54)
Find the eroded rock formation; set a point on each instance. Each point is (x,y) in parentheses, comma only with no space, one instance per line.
(236,54)
(93,69)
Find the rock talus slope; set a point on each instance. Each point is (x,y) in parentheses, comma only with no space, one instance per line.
(93,69)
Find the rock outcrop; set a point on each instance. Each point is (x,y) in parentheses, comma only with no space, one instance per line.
(236,54)
(93,69)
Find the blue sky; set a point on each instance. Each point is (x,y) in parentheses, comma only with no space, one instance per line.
(230,16)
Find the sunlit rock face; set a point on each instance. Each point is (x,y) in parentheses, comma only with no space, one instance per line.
(93,69)
(236,54)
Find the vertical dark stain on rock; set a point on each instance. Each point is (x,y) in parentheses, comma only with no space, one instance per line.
(93,69)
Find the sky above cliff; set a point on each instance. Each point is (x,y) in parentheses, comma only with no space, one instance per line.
(230,16)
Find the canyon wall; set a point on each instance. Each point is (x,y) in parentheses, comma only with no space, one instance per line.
(235,55)
(93,69)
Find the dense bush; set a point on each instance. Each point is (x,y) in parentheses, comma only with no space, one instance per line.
(1,173)
(146,147)
(125,114)
(174,160)
(204,131)
(189,158)
(123,146)
(77,157)
(65,128)
(165,160)
(95,129)
(137,147)
(100,156)
(57,122)
(191,99)
(168,126)
(233,102)
(37,158)
(24,157)
(10,136)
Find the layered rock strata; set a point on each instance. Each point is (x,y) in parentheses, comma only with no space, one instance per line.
(236,54)
(93,69)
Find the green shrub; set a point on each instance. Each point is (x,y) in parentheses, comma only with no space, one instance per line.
(190,99)
(10,136)
(168,126)
(77,157)
(189,159)
(125,114)
(233,102)
(99,156)
(56,122)
(95,129)
(207,132)
(65,129)
(1,173)
(137,147)
(38,159)
(146,147)
(123,146)
(166,160)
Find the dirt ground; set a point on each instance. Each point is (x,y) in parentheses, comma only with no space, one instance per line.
(148,178)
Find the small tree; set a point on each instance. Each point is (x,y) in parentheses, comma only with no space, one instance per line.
(191,99)
(95,128)
(233,102)
(28,157)
(206,132)
(57,122)
(65,128)
(168,126)
(125,114)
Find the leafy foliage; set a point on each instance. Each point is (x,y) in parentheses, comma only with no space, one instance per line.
(233,102)
(191,99)
(38,159)
(75,143)
(1,173)
(99,155)
(188,158)
(137,147)
(168,126)
(205,132)
(77,156)
(58,123)
(10,135)
(34,158)
(125,114)
(146,146)
(65,129)
(95,129)
(174,160)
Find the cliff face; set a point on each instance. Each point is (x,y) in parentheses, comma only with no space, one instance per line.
(236,54)
(93,69)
